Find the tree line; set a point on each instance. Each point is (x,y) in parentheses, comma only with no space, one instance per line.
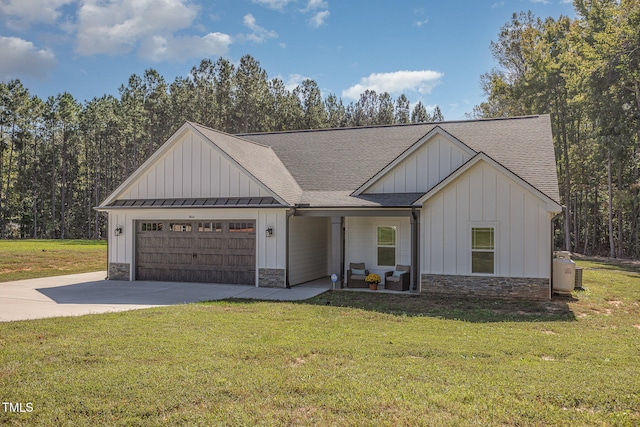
(59,158)
(585,72)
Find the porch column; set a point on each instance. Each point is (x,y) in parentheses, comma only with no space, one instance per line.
(415,251)
(336,247)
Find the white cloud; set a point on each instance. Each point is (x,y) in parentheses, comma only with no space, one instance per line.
(182,48)
(21,57)
(421,18)
(319,9)
(119,26)
(395,83)
(259,34)
(318,19)
(316,4)
(32,11)
(293,81)
(273,4)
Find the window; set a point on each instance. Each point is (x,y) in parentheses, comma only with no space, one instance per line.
(151,226)
(180,226)
(482,250)
(240,227)
(215,227)
(386,246)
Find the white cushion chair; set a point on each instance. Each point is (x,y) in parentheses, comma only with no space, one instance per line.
(399,279)
(356,275)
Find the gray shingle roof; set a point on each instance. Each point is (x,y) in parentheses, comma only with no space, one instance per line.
(330,199)
(341,160)
(259,160)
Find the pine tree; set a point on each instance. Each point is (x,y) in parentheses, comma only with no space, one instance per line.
(419,114)
(402,115)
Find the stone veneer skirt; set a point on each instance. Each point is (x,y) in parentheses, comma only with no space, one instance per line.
(271,278)
(119,271)
(487,286)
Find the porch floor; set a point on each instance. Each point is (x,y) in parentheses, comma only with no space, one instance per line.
(325,282)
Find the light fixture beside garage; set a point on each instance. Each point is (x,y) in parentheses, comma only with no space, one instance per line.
(118,230)
(269,231)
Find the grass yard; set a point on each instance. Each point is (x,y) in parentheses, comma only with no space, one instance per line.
(343,358)
(27,259)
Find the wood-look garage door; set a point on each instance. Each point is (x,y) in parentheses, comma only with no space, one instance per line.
(196,251)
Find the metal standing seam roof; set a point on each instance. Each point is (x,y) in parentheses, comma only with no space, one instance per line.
(340,160)
(216,202)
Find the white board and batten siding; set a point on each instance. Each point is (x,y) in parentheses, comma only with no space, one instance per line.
(270,251)
(308,248)
(192,168)
(485,197)
(361,242)
(423,169)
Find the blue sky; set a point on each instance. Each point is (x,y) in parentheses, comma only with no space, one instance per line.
(433,51)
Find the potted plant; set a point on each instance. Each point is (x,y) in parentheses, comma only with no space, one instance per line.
(373,280)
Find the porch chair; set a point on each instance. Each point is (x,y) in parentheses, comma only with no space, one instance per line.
(356,275)
(399,279)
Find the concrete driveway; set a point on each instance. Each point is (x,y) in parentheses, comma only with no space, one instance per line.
(87,293)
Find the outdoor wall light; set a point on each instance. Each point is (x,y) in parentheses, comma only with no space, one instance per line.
(118,230)
(269,231)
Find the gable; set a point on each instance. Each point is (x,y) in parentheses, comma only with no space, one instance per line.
(422,167)
(476,172)
(486,196)
(190,166)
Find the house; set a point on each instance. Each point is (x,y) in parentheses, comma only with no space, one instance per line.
(468,205)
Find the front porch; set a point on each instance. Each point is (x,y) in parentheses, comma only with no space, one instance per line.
(325,283)
(325,242)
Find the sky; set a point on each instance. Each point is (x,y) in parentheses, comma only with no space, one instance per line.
(432,51)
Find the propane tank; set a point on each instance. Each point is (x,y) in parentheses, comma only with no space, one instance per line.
(564,273)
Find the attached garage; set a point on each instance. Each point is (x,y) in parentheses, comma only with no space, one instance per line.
(196,251)
(206,207)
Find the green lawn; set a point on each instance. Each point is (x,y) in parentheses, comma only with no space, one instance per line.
(341,359)
(27,259)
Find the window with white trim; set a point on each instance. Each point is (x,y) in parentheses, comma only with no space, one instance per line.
(483,250)
(387,243)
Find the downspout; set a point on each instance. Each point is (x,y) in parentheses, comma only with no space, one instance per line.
(343,242)
(290,213)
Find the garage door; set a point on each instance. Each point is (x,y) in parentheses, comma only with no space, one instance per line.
(196,251)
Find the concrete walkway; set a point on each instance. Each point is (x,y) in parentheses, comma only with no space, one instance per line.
(87,293)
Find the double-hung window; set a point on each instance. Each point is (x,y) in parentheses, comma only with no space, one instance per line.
(387,238)
(483,250)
